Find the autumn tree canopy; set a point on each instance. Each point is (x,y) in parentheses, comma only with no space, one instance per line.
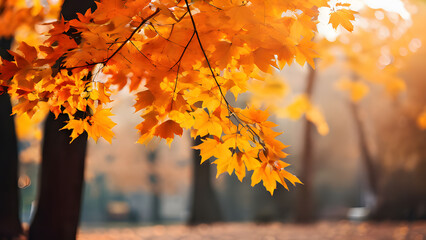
(179,59)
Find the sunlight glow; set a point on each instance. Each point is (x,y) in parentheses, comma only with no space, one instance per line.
(325,29)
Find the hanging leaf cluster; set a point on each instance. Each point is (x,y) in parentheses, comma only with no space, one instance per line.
(179,59)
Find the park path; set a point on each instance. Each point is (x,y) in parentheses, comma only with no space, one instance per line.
(339,230)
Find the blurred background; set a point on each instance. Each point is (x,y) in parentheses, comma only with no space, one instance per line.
(355,126)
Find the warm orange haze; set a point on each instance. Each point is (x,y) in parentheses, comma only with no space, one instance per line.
(334,88)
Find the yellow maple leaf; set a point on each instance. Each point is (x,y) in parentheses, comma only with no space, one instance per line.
(207,123)
(213,147)
(272,171)
(266,174)
(100,125)
(342,17)
(290,177)
(77,127)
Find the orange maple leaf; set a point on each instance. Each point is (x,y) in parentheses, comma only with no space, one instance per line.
(343,17)
(168,129)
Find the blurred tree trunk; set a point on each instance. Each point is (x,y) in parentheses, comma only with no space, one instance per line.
(367,159)
(10,225)
(205,205)
(305,193)
(155,187)
(401,148)
(62,168)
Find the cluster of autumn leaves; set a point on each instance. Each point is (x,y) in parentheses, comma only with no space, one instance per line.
(179,59)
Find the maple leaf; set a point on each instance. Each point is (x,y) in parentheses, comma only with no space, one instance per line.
(231,162)
(147,126)
(100,125)
(342,17)
(254,115)
(101,93)
(77,127)
(233,137)
(29,52)
(7,70)
(305,52)
(25,107)
(167,130)
(213,147)
(283,174)
(207,124)
(143,99)
(267,175)
(272,171)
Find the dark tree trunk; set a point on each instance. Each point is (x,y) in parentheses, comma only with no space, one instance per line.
(10,225)
(62,168)
(62,176)
(305,206)
(205,205)
(155,186)
(70,8)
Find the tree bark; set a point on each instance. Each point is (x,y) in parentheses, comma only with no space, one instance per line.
(62,169)
(10,225)
(205,205)
(305,204)
(62,176)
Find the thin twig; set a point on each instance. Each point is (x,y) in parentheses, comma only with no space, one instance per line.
(167,39)
(177,71)
(149,60)
(205,55)
(217,83)
(183,52)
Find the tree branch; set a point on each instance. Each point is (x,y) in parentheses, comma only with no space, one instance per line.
(120,47)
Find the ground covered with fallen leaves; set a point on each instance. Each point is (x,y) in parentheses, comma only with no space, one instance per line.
(342,230)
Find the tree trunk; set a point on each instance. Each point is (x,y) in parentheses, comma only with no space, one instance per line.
(305,194)
(62,176)
(10,225)
(62,169)
(365,152)
(366,157)
(205,205)
(155,186)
